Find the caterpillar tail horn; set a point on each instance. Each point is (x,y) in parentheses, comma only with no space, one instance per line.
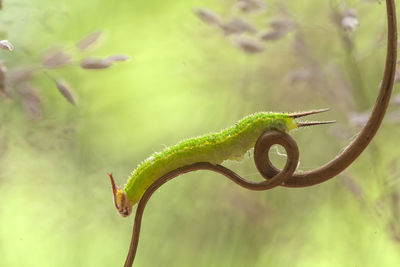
(312,123)
(306,113)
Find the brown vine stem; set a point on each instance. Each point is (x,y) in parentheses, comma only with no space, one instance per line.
(343,160)
(287,177)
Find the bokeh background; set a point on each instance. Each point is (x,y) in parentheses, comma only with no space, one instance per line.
(195,67)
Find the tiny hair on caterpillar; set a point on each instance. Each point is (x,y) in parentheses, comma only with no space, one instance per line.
(231,143)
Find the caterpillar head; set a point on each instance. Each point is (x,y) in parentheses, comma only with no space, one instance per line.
(121,200)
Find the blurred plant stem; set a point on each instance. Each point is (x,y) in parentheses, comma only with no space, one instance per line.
(352,66)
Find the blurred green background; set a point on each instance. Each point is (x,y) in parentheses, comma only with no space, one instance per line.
(186,78)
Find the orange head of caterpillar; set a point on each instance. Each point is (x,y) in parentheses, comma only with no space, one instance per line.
(121,200)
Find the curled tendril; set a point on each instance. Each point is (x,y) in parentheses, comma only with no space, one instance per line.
(351,153)
(286,176)
(261,149)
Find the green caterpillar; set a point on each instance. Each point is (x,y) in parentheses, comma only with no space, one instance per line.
(231,143)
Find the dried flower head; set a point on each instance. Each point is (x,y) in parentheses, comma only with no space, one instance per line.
(208,16)
(272,35)
(20,74)
(66,91)
(250,6)
(55,57)
(117,58)
(31,102)
(282,24)
(350,24)
(249,45)
(89,41)
(6,45)
(237,26)
(349,20)
(95,63)
(16,83)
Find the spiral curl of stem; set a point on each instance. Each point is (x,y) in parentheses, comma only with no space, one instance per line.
(287,176)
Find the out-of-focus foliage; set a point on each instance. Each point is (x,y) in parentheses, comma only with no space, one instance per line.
(195,67)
